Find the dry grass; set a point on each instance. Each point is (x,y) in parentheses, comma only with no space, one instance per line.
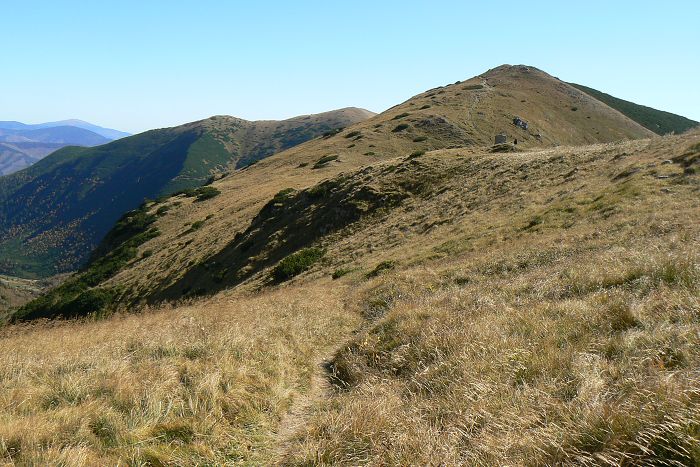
(585,359)
(546,316)
(201,384)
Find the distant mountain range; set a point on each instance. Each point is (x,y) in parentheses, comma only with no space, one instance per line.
(22,145)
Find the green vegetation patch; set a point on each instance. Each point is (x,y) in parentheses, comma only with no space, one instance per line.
(296,263)
(400,127)
(283,195)
(205,193)
(332,132)
(340,272)
(201,194)
(380,268)
(325,160)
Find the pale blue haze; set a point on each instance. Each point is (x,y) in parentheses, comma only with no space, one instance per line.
(136,65)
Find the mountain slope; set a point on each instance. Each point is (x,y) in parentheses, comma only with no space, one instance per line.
(467,114)
(462,307)
(54,213)
(658,121)
(473,305)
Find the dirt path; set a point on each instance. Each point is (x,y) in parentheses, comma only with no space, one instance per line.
(300,412)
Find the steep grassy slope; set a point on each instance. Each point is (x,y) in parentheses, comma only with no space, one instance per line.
(535,307)
(467,114)
(658,121)
(53,214)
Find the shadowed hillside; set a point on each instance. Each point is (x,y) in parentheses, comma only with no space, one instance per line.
(658,121)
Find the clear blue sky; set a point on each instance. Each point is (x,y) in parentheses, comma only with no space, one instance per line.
(136,65)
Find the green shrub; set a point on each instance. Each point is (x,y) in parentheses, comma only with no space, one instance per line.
(370,153)
(415,154)
(196,225)
(296,263)
(473,87)
(352,134)
(426,106)
(400,127)
(332,132)
(381,267)
(201,193)
(340,272)
(419,139)
(90,301)
(282,195)
(162,210)
(401,115)
(205,192)
(322,162)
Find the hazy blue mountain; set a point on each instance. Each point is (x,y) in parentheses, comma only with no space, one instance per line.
(24,144)
(66,135)
(108,133)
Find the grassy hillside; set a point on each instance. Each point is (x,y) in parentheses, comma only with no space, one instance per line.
(471,307)
(658,121)
(54,213)
(232,227)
